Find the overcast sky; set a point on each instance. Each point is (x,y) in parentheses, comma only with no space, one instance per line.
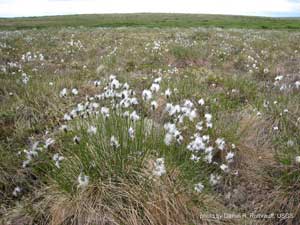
(16,8)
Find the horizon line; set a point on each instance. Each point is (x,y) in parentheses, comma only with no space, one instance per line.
(131,13)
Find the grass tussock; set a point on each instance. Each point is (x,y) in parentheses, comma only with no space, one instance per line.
(123,202)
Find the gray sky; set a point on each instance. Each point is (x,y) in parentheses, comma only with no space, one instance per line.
(16,8)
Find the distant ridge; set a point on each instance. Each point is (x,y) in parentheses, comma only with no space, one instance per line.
(150,20)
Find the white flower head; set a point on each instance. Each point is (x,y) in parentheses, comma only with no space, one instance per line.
(209,149)
(209,125)
(197,145)
(201,102)
(134,101)
(126,86)
(157,80)
(147,95)
(57,159)
(278,78)
(154,87)
(92,130)
(131,132)
(114,142)
(208,117)
(154,105)
(63,93)
(297,159)
(220,143)
(225,168)
(199,125)
(229,156)
(115,84)
(83,181)
(67,117)
(199,187)
(159,167)
(16,191)
(192,114)
(195,158)
(168,139)
(25,78)
(94,105)
(214,179)
(168,93)
(49,142)
(64,128)
(97,83)
(205,138)
(76,139)
(105,112)
(112,77)
(134,116)
(74,91)
(266,70)
(126,114)
(170,128)
(266,103)
(188,104)
(290,143)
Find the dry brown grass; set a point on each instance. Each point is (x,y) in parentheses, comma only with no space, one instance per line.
(254,190)
(121,203)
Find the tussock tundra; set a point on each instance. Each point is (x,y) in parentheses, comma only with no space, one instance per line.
(149,126)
